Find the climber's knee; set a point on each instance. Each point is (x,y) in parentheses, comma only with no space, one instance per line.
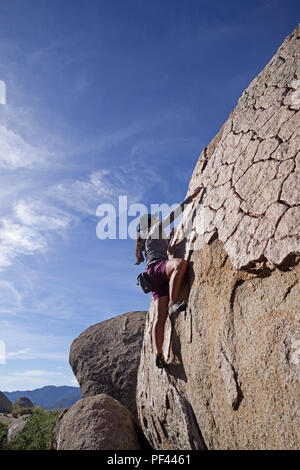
(177,265)
(182,264)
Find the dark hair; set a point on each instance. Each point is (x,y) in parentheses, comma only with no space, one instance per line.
(139,246)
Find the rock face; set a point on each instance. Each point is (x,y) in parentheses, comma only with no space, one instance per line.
(23,402)
(96,423)
(251,169)
(234,354)
(105,358)
(5,404)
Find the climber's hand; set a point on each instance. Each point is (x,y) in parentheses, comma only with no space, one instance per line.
(196,192)
(171,234)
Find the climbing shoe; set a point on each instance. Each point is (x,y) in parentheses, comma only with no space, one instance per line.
(160,362)
(177,307)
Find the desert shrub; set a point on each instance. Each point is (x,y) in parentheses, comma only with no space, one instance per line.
(20,411)
(37,432)
(3,434)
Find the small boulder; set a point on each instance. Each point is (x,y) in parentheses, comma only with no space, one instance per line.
(96,423)
(5,404)
(105,358)
(23,402)
(15,428)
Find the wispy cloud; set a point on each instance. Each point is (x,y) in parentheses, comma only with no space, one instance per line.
(106,185)
(16,152)
(24,342)
(35,378)
(83,195)
(27,139)
(35,373)
(42,216)
(17,240)
(20,354)
(10,298)
(36,350)
(28,353)
(28,229)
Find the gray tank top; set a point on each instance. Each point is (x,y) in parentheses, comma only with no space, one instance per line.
(155,248)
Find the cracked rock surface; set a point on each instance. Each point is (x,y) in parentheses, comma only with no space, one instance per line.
(252,169)
(234,354)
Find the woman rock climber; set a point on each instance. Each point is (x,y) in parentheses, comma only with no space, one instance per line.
(165,274)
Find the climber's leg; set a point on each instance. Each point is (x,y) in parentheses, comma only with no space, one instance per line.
(175,270)
(161,310)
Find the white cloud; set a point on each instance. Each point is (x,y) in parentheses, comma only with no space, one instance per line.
(31,379)
(41,215)
(16,240)
(19,238)
(10,298)
(27,230)
(106,185)
(35,373)
(20,354)
(28,353)
(27,143)
(83,195)
(23,342)
(6,256)
(17,152)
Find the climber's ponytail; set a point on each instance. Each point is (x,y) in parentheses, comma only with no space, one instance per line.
(139,247)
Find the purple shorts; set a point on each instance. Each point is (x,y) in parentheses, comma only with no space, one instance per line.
(159,279)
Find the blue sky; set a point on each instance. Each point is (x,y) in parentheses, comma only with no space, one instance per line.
(104,98)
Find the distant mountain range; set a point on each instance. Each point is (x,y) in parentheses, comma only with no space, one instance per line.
(49,397)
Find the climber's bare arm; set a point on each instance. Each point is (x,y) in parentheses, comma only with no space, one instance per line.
(166,221)
(196,192)
(171,234)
